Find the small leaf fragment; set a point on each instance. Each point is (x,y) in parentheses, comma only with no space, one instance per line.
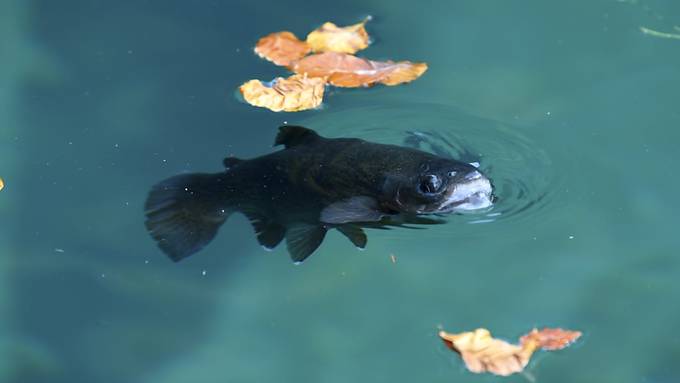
(344,70)
(291,94)
(2,184)
(281,48)
(483,353)
(331,38)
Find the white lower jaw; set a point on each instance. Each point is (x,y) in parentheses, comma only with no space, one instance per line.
(474,203)
(474,195)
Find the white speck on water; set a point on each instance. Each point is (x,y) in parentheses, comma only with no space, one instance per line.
(571,237)
(146,261)
(115,146)
(548,113)
(130,52)
(478,221)
(58,250)
(103,275)
(204,273)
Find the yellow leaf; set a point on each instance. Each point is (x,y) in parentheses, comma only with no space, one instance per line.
(281,48)
(331,38)
(483,353)
(345,70)
(2,183)
(290,94)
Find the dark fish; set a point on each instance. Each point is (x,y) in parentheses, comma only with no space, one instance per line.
(313,185)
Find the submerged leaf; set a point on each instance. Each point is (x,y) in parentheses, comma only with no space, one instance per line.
(281,48)
(331,38)
(349,71)
(483,353)
(290,94)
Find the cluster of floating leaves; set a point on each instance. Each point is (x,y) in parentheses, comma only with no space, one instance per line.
(483,353)
(331,61)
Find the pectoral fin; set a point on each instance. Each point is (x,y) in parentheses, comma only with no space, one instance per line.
(303,239)
(355,209)
(354,234)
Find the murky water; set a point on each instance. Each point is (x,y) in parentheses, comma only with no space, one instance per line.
(569,107)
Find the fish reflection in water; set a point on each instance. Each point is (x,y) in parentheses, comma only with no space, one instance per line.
(313,185)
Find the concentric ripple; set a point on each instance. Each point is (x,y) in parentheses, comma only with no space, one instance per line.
(522,173)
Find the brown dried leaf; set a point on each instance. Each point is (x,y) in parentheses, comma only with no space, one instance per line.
(482,353)
(349,71)
(291,94)
(550,339)
(281,48)
(331,38)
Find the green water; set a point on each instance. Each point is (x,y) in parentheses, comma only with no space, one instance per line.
(571,109)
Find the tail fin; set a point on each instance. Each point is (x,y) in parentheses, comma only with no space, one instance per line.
(184,212)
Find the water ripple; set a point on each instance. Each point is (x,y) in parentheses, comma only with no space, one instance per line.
(523,175)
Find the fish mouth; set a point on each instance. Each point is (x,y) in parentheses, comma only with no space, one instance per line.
(475,194)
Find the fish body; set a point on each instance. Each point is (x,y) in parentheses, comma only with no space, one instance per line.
(311,186)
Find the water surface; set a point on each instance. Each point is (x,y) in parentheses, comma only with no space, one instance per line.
(567,105)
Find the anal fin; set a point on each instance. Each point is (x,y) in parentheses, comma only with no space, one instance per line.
(269,232)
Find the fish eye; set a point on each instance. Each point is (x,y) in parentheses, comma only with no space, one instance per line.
(429,184)
(451,173)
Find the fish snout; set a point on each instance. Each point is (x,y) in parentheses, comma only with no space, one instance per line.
(473,192)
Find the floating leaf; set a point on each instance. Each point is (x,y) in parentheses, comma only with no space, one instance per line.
(336,66)
(2,184)
(483,353)
(349,71)
(290,94)
(550,339)
(331,38)
(281,48)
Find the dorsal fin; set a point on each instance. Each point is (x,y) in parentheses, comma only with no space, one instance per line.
(291,135)
(230,162)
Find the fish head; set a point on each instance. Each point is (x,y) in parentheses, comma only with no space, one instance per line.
(444,186)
